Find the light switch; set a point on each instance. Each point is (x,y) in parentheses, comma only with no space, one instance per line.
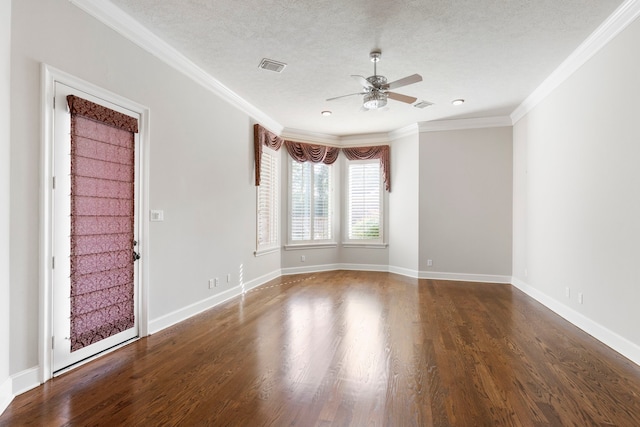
(157,215)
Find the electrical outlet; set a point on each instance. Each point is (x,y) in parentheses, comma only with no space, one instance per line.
(211,284)
(303,258)
(228,277)
(429,263)
(216,282)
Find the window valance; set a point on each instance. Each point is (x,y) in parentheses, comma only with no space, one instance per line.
(303,152)
(98,113)
(262,137)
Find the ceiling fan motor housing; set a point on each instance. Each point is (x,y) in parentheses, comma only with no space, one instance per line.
(377,81)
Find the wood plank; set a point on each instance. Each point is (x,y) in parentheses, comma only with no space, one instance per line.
(348,349)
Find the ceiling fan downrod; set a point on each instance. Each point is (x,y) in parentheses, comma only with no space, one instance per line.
(375,58)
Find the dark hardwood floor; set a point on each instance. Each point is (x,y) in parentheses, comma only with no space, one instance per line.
(352,349)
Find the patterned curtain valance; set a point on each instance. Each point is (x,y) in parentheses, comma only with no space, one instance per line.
(380,152)
(303,152)
(262,136)
(84,108)
(299,151)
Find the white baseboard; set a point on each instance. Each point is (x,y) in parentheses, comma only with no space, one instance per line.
(333,267)
(25,380)
(618,343)
(184,313)
(262,280)
(464,277)
(310,269)
(404,271)
(6,395)
(487,278)
(364,267)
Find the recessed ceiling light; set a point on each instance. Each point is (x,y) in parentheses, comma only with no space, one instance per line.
(326,113)
(457,101)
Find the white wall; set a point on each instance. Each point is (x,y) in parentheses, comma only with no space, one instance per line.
(404,223)
(466,201)
(5,138)
(577,195)
(201,167)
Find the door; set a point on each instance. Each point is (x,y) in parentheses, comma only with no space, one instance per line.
(95,273)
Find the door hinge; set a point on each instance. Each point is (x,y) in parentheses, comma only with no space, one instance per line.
(53,182)
(54,102)
(53,262)
(53,343)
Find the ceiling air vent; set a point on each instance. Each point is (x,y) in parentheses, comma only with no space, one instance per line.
(271,65)
(423,104)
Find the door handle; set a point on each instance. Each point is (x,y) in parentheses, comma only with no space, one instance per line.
(136,255)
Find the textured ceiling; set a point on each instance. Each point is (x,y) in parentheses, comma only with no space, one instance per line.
(492,53)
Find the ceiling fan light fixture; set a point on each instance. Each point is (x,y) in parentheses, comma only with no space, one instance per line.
(457,101)
(374,100)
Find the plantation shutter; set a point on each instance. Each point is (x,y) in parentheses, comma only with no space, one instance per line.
(364,201)
(322,202)
(300,201)
(268,200)
(311,210)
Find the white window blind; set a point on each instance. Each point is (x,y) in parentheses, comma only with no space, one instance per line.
(268,200)
(311,197)
(364,201)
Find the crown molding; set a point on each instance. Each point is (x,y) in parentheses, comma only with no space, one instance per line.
(410,130)
(459,124)
(611,27)
(116,19)
(365,139)
(125,25)
(309,137)
(338,141)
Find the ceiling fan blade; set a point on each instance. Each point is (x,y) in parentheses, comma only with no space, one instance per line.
(363,82)
(402,98)
(414,78)
(343,96)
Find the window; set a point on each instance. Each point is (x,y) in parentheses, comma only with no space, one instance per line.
(364,202)
(268,200)
(310,202)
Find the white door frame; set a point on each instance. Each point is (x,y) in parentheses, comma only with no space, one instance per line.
(49,76)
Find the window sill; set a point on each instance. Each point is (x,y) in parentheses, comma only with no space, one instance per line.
(266,251)
(365,245)
(295,247)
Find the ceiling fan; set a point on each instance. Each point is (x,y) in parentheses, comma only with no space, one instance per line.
(376,90)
